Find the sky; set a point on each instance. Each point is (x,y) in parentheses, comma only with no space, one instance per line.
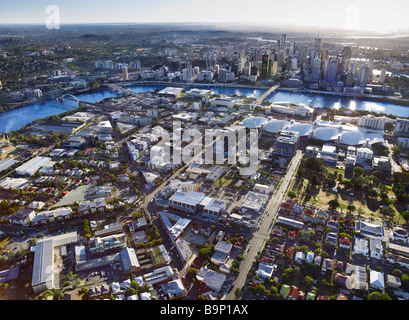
(359,15)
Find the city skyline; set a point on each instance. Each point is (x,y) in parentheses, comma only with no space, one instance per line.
(359,15)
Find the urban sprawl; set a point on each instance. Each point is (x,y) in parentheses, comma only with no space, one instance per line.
(88,213)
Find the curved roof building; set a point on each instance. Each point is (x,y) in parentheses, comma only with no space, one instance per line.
(326,133)
(274,125)
(303,129)
(254,122)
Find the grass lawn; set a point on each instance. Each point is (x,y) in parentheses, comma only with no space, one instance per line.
(320,199)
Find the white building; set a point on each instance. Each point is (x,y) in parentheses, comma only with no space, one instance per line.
(32,166)
(45,271)
(221,252)
(376,280)
(361,246)
(371,122)
(364,153)
(402,127)
(212,279)
(375,248)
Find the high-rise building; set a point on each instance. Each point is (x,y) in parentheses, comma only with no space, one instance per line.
(316,69)
(280,60)
(363,76)
(348,79)
(222,75)
(189,71)
(324,55)
(332,70)
(125,73)
(247,68)
(283,42)
(275,68)
(264,66)
(294,64)
(382,76)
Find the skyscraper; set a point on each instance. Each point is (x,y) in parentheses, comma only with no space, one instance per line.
(264,65)
(283,41)
(332,70)
(316,68)
(124,73)
(189,74)
(363,76)
(382,76)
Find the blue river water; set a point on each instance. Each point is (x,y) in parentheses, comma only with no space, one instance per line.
(17,118)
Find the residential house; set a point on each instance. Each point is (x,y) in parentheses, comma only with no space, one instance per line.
(393,282)
(361,246)
(375,248)
(22,217)
(327,264)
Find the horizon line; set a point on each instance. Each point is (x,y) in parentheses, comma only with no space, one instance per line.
(232,23)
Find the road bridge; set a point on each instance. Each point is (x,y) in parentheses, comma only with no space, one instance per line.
(266,94)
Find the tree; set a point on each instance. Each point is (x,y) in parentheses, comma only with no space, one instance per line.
(351,208)
(396,150)
(397,273)
(192,272)
(333,204)
(238,293)
(405,215)
(308,281)
(291,194)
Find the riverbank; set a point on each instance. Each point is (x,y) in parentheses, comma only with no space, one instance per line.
(29,111)
(50,96)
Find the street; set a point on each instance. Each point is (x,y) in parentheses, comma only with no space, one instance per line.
(257,242)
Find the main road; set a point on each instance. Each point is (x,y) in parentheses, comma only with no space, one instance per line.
(261,235)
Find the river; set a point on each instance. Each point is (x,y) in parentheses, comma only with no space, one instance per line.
(17,118)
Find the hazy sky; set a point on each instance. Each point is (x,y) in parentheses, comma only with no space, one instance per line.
(378,15)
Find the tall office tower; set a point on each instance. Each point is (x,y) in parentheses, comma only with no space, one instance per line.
(138,64)
(348,79)
(280,60)
(291,50)
(196,71)
(254,70)
(264,66)
(275,68)
(354,69)
(247,68)
(270,68)
(332,70)
(370,67)
(222,75)
(294,64)
(324,69)
(382,76)
(125,73)
(324,55)
(303,54)
(363,76)
(189,68)
(316,68)
(340,64)
(283,42)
